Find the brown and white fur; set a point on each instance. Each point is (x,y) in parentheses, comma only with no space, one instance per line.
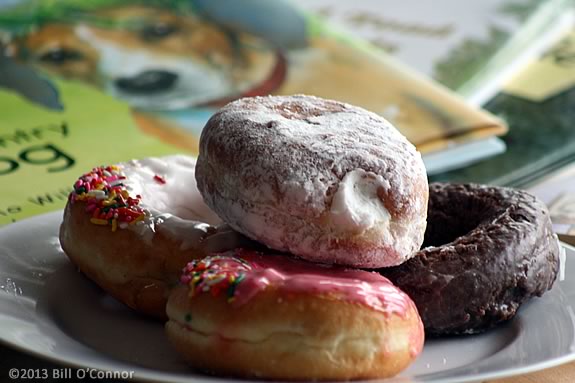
(168,61)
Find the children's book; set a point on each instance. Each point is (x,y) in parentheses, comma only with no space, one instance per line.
(86,83)
(539,105)
(472,47)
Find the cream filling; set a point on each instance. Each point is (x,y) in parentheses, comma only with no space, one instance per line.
(356,206)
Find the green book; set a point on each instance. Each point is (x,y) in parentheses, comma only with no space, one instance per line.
(539,105)
(472,48)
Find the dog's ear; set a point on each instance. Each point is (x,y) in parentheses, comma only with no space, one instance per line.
(25,81)
(279,22)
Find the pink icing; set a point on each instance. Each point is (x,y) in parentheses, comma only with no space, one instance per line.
(242,274)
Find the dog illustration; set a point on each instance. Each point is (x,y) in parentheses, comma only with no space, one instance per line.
(176,69)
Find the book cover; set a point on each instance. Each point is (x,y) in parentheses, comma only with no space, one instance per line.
(86,83)
(539,105)
(42,150)
(471,47)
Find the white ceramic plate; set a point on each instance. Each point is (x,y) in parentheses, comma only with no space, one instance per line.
(50,310)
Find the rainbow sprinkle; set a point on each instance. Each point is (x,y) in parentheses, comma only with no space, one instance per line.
(216,274)
(107,198)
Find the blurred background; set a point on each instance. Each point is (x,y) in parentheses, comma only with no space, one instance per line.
(483,89)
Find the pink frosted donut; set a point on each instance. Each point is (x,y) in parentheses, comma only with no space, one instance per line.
(275,317)
(324,180)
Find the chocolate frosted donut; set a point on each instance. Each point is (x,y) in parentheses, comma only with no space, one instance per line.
(486,251)
(324,180)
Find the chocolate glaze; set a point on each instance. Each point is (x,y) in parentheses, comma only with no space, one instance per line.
(486,251)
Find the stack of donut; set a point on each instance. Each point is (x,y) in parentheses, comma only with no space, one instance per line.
(307,194)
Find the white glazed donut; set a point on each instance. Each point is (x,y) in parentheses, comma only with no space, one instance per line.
(324,180)
(132,227)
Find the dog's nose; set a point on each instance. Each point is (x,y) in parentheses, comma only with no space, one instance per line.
(147,82)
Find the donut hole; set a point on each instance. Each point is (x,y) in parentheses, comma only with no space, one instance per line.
(442,229)
(454,217)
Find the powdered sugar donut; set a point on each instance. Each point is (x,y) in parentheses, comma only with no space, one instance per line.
(131,228)
(324,180)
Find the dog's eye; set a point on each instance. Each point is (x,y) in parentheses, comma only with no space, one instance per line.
(59,56)
(158,31)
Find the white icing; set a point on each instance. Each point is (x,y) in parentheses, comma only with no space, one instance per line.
(179,194)
(356,206)
(189,232)
(176,205)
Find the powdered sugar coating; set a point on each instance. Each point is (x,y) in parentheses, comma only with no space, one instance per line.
(271,166)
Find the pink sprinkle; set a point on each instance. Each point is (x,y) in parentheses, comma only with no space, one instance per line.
(159,179)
